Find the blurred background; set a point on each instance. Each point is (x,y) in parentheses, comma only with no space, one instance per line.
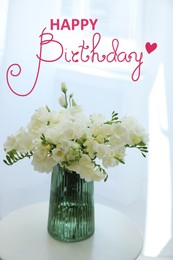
(142,188)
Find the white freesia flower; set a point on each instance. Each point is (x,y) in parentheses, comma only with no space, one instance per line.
(101,150)
(136,133)
(98,175)
(42,162)
(85,168)
(109,161)
(21,142)
(75,141)
(58,155)
(43,165)
(10,143)
(89,147)
(53,134)
(39,121)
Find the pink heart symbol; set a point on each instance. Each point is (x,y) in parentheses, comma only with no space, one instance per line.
(150,47)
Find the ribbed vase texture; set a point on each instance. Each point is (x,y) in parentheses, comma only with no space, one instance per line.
(71,206)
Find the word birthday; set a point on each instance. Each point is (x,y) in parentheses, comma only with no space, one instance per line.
(73,24)
(84,52)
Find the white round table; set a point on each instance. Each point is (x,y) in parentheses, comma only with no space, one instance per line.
(24,236)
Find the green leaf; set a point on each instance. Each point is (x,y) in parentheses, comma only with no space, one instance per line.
(14,156)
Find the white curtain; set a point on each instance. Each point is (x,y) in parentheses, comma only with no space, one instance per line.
(142,188)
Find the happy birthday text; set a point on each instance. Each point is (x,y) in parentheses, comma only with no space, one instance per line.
(84,51)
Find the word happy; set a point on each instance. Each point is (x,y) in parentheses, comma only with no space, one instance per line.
(73,24)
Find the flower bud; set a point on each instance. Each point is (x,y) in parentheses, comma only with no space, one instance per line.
(73,103)
(63,87)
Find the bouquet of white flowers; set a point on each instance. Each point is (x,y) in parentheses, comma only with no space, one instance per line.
(84,144)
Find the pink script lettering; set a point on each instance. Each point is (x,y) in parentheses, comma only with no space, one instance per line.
(83,53)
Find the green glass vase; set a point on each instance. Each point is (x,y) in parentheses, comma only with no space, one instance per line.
(71,206)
